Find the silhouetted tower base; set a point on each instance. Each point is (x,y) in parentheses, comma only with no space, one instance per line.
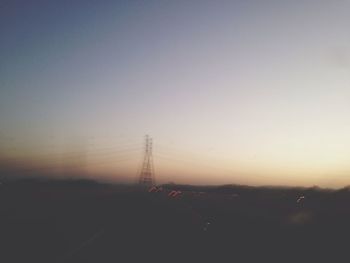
(147,170)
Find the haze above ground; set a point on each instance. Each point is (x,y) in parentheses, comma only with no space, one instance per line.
(246,92)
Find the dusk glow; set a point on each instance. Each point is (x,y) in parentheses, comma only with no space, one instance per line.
(232,92)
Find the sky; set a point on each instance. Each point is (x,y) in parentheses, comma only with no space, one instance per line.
(247,92)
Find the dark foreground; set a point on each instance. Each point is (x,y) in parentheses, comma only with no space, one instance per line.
(87,222)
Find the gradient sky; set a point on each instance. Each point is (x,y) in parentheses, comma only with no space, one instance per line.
(251,92)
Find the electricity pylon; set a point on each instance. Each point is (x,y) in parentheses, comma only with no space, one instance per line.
(147,169)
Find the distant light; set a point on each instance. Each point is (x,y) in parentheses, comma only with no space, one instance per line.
(152,189)
(300,199)
(207,224)
(174,193)
(155,189)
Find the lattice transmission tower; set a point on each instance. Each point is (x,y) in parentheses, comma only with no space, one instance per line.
(147,169)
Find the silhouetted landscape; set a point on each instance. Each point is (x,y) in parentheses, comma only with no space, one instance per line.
(85,221)
(174,131)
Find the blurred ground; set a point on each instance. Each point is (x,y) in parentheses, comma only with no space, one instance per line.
(83,221)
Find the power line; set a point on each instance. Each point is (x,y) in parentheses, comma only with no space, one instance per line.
(147,170)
